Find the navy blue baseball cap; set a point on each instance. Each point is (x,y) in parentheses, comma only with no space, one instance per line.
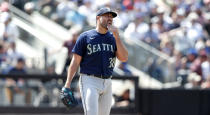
(106,10)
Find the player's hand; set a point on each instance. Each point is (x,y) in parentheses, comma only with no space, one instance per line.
(114,30)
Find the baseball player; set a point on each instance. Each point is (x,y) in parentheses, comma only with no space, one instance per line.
(95,52)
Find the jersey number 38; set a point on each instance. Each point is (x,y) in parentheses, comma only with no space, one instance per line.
(111,62)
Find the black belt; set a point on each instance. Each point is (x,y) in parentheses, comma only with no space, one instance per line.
(99,76)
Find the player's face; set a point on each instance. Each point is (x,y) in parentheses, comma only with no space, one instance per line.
(105,20)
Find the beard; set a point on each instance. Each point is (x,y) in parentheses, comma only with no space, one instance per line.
(105,24)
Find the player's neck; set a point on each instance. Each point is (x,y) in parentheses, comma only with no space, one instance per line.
(101,30)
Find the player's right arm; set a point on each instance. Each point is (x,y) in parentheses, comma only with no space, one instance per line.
(72,69)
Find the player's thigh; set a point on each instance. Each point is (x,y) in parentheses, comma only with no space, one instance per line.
(90,97)
(105,102)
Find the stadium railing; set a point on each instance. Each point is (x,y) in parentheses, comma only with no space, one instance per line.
(51,85)
(145,57)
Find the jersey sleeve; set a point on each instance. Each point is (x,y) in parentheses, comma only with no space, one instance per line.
(79,47)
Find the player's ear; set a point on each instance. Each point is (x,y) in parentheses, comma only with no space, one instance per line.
(97,17)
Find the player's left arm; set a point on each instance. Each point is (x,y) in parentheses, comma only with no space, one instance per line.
(122,52)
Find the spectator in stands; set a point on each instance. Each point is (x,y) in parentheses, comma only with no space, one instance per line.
(207,47)
(175,17)
(151,37)
(124,99)
(136,29)
(159,24)
(124,68)
(61,10)
(194,81)
(177,56)
(29,7)
(201,19)
(19,68)
(74,18)
(191,56)
(127,4)
(196,65)
(47,7)
(122,20)
(205,65)
(13,54)
(181,41)
(68,44)
(167,47)
(206,83)
(8,31)
(87,10)
(199,45)
(4,6)
(51,69)
(14,86)
(154,70)
(195,30)
(183,71)
(3,55)
(142,6)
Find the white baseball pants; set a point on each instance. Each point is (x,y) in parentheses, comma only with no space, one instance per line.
(96,94)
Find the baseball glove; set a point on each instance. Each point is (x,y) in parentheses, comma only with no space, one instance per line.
(67,97)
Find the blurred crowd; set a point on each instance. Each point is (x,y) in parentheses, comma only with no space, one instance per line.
(180,29)
(10,58)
